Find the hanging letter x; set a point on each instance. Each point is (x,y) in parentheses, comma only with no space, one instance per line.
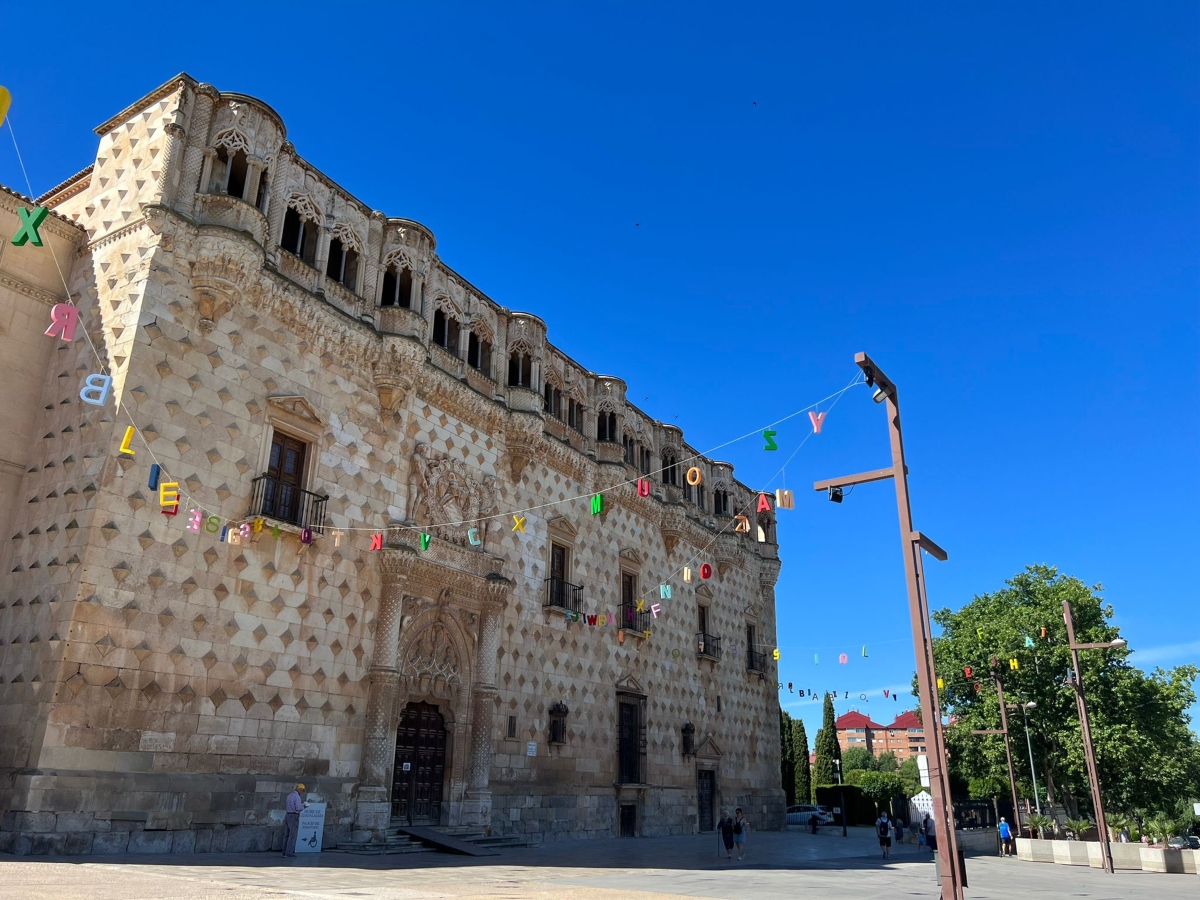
(30,220)
(519,524)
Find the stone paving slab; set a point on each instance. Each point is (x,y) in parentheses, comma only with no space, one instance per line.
(778,866)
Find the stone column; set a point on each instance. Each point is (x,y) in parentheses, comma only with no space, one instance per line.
(277,203)
(254,171)
(373,810)
(193,156)
(168,178)
(477,805)
(206,168)
(370,267)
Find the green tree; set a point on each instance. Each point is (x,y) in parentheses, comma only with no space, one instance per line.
(1139,722)
(881,787)
(886,762)
(803,780)
(858,758)
(827,746)
(787,759)
(910,776)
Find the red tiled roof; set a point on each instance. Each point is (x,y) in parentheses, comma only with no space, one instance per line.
(907,719)
(855,720)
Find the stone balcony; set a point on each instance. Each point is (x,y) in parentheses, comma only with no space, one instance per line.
(232,212)
(296,269)
(446,361)
(610,452)
(482,383)
(400,320)
(342,297)
(524,399)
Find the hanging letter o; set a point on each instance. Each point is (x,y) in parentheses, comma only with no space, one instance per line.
(706,571)
(694,476)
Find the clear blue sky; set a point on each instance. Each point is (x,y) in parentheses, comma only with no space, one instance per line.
(721,206)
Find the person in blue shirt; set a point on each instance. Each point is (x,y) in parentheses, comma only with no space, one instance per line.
(1006,839)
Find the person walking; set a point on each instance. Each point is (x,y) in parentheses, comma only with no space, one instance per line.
(883,826)
(291,820)
(899,826)
(930,834)
(725,827)
(740,827)
(1005,838)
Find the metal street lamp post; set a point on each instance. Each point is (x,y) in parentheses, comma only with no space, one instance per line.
(913,543)
(1032,704)
(1085,726)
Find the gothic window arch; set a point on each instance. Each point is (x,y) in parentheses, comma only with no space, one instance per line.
(552,400)
(479,348)
(630,447)
(300,228)
(670,467)
(446,330)
(397,286)
(230,164)
(720,500)
(345,250)
(575,412)
(520,365)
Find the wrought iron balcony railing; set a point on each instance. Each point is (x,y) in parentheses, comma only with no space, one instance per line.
(756,661)
(273,499)
(633,620)
(564,595)
(708,645)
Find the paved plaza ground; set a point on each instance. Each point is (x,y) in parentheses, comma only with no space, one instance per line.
(777,866)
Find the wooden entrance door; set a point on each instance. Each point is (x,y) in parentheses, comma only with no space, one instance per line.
(706,791)
(420,765)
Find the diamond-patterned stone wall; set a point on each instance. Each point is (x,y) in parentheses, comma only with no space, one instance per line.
(159,678)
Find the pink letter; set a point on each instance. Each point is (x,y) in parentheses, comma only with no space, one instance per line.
(63,318)
(817,418)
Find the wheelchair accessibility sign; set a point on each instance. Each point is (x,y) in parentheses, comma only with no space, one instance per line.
(312,828)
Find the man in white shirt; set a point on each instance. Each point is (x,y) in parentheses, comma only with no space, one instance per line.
(883,825)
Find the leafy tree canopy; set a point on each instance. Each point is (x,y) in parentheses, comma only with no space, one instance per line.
(857,759)
(827,749)
(1149,759)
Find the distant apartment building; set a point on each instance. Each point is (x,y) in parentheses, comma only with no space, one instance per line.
(904,738)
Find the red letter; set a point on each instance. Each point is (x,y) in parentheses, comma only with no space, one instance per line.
(643,487)
(706,571)
(764,505)
(377,542)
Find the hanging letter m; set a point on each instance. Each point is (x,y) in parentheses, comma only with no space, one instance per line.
(597,504)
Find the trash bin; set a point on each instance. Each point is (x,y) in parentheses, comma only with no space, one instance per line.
(962,866)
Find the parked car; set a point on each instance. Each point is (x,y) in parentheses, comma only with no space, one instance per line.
(1193,842)
(1178,843)
(800,815)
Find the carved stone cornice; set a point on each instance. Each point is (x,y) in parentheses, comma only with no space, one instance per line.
(768,574)
(452,396)
(396,562)
(460,576)
(32,291)
(565,459)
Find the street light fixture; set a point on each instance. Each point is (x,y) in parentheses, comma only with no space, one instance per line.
(1085,727)
(1023,707)
(914,543)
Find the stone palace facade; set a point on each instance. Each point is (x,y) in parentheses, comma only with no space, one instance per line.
(303,364)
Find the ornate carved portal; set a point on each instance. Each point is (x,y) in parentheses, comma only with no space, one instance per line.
(445,495)
(441,653)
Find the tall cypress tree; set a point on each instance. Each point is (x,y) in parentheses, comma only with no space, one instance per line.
(787,761)
(799,738)
(827,747)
